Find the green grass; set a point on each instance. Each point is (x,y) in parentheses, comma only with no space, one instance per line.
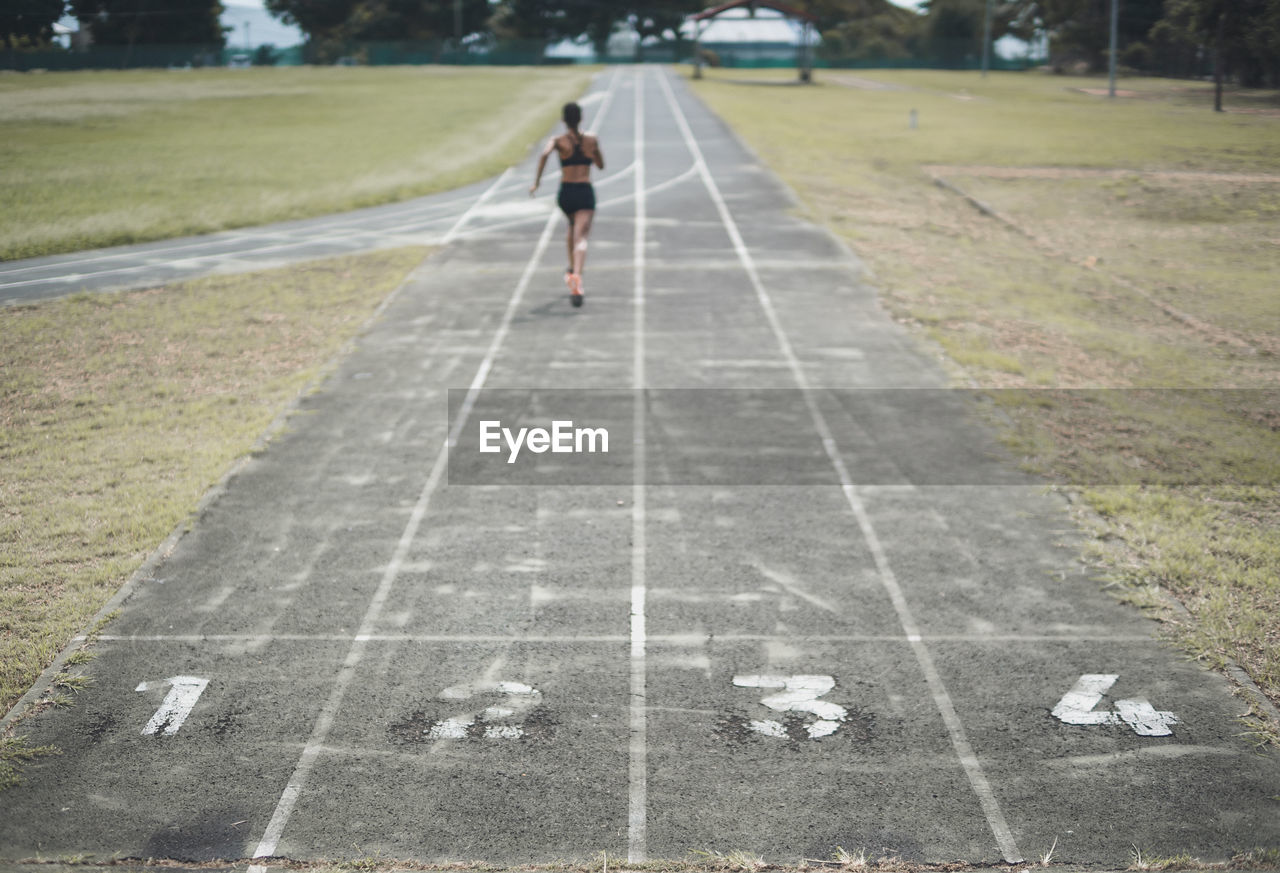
(14,752)
(101,158)
(1139,267)
(118,411)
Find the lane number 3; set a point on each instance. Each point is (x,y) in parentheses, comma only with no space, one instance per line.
(795,694)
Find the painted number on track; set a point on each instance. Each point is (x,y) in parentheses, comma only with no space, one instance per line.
(177,705)
(795,694)
(1077,707)
(500,720)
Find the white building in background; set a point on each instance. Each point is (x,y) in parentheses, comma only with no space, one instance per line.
(734,31)
(767,37)
(739,27)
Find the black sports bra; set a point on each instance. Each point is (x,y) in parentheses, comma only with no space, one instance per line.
(577,158)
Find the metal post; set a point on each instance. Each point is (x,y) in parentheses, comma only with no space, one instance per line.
(1115,36)
(805,74)
(986,39)
(697,50)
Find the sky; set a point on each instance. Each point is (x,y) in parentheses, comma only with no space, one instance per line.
(263,28)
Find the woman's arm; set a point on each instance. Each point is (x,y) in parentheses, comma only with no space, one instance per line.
(542,163)
(598,157)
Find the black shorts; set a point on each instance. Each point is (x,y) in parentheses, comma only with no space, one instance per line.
(575,196)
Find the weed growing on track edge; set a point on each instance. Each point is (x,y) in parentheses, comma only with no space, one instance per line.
(14,752)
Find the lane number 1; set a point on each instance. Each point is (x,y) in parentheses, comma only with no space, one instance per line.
(177,705)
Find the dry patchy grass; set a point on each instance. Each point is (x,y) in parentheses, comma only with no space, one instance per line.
(102,158)
(118,411)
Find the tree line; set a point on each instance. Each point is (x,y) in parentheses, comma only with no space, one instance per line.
(1239,39)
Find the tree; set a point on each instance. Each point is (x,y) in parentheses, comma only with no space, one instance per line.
(378,20)
(1079,30)
(866,29)
(151,22)
(550,21)
(954,28)
(316,18)
(29,23)
(381,20)
(656,19)
(1241,36)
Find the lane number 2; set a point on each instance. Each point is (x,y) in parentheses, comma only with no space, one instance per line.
(500,720)
(795,694)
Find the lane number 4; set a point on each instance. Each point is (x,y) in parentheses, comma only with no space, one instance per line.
(1077,707)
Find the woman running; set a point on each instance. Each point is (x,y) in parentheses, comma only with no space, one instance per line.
(577,199)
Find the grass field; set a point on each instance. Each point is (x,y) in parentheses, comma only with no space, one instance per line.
(101,158)
(118,411)
(1137,247)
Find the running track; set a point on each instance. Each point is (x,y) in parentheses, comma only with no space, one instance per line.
(350,656)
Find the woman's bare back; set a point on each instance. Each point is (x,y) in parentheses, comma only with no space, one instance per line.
(564,146)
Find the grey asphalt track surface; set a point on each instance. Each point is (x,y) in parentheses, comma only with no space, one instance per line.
(670,660)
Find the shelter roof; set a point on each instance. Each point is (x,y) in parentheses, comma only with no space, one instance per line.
(790,11)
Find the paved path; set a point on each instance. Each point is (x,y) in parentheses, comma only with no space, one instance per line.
(353,653)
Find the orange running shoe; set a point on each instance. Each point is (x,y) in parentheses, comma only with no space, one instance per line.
(575,289)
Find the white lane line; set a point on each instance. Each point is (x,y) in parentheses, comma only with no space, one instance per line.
(638,793)
(676,639)
(942,699)
(339,235)
(471,210)
(324,722)
(600,204)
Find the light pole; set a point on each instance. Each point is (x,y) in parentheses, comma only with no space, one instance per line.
(986,39)
(1115,32)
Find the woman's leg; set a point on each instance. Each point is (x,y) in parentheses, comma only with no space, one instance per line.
(581,230)
(568,242)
